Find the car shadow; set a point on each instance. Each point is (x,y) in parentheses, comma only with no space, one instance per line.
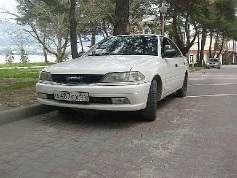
(104,119)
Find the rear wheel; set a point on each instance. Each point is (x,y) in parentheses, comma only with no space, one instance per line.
(149,113)
(182,92)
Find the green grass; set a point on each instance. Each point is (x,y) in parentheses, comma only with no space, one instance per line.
(18,85)
(26,65)
(14,72)
(19,73)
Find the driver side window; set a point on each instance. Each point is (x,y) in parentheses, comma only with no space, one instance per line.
(168,44)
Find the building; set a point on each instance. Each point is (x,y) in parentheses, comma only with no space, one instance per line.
(226,51)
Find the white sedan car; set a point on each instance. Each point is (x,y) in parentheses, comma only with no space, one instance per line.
(120,73)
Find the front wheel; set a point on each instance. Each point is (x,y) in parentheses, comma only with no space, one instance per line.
(182,92)
(149,113)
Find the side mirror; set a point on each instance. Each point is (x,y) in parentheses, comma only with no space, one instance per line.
(170,53)
(81,53)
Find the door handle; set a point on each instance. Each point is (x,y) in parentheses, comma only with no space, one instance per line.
(176,65)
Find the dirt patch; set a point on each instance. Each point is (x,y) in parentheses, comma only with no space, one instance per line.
(18,97)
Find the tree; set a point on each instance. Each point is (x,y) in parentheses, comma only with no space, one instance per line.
(182,16)
(24,56)
(121,25)
(48,24)
(22,41)
(53,21)
(73,29)
(211,17)
(9,58)
(95,18)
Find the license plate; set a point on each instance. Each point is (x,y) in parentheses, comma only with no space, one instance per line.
(71,96)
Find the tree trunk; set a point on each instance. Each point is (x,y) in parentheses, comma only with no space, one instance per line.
(104,28)
(93,33)
(45,55)
(210,45)
(45,51)
(82,47)
(203,42)
(121,26)
(198,52)
(73,29)
(216,47)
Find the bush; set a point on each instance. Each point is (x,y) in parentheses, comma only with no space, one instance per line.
(9,58)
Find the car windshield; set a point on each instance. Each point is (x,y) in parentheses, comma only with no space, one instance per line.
(126,45)
(213,60)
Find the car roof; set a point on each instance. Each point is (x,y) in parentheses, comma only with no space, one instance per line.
(141,35)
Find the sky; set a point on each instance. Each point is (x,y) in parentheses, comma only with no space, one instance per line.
(10,5)
(7,26)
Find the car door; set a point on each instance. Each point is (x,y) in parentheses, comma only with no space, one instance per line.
(175,66)
(181,64)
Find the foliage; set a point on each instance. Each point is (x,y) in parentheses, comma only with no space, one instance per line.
(185,19)
(48,22)
(24,57)
(9,58)
(95,18)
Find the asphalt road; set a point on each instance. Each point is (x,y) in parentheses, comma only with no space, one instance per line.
(194,137)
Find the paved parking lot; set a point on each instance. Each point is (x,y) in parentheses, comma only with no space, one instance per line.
(193,137)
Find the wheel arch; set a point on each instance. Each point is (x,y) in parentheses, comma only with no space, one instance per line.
(159,87)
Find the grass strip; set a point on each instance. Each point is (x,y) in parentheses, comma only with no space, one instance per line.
(18,85)
(26,65)
(19,73)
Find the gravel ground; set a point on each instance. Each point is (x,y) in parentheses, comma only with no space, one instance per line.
(18,97)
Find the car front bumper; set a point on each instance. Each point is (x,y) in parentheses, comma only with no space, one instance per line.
(100,96)
(213,65)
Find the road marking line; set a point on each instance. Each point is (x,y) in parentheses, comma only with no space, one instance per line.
(211,95)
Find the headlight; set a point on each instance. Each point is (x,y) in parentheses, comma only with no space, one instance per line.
(45,76)
(123,77)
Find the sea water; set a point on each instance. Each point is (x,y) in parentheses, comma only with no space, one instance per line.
(32,58)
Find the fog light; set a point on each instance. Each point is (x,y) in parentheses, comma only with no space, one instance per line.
(120,101)
(42,95)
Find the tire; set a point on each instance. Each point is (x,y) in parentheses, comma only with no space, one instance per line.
(149,113)
(64,110)
(182,92)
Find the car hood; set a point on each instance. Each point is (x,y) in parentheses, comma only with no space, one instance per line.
(98,64)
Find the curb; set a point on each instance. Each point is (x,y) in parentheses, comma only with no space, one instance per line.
(17,114)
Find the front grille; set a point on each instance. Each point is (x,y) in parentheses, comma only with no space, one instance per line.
(76,78)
